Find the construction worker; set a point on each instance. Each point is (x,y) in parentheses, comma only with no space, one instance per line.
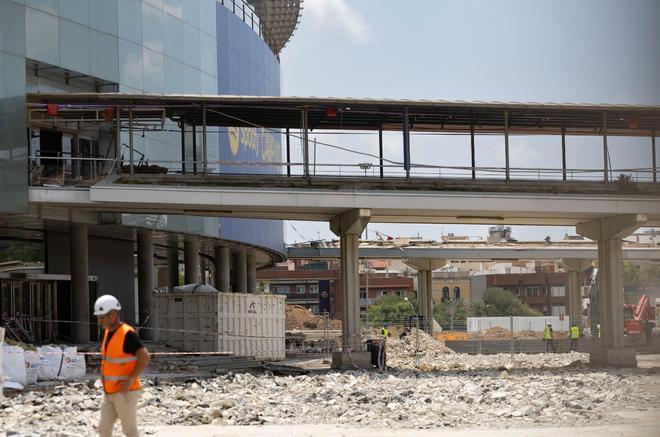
(123,358)
(385,331)
(575,336)
(548,338)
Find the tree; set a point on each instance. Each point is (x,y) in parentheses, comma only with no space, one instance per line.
(498,302)
(632,275)
(442,313)
(391,309)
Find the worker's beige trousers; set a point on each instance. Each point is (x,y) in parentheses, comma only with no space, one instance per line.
(122,406)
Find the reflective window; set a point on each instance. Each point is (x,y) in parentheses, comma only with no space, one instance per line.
(42,41)
(104,56)
(130,64)
(191,44)
(155,3)
(207,16)
(13,141)
(75,10)
(208,54)
(153,71)
(173,76)
(103,15)
(50,6)
(173,37)
(173,7)
(152,28)
(12,25)
(74,46)
(192,81)
(130,22)
(191,13)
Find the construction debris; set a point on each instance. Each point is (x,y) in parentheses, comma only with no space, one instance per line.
(300,318)
(408,398)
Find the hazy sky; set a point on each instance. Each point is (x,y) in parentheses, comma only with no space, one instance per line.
(587,51)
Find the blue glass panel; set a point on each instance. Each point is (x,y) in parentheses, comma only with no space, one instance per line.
(130,20)
(173,76)
(103,15)
(153,71)
(191,12)
(75,10)
(49,6)
(42,41)
(130,64)
(173,37)
(74,47)
(152,28)
(13,142)
(104,56)
(12,28)
(191,46)
(174,7)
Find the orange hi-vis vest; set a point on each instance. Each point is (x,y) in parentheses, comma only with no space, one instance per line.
(116,365)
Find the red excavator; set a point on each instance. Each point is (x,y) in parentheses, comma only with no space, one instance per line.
(640,318)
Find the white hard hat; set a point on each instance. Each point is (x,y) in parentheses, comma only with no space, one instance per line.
(105,304)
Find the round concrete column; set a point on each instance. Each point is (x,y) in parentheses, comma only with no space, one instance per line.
(222,269)
(191,259)
(80,284)
(145,249)
(240,271)
(172,264)
(251,267)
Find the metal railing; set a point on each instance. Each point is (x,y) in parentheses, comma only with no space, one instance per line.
(245,11)
(68,170)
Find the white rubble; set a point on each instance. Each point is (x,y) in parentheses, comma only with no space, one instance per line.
(534,396)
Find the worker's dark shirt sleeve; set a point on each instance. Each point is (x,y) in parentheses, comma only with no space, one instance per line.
(132,343)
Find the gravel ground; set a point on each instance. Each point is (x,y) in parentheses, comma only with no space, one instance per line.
(537,391)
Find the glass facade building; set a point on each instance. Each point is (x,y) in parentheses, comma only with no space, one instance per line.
(140,46)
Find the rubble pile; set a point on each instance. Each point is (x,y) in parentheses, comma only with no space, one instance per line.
(299,317)
(407,398)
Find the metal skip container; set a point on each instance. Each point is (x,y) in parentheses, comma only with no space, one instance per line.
(237,323)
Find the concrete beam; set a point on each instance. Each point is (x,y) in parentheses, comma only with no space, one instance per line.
(350,222)
(350,292)
(618,226)
(425,263)
(425,298)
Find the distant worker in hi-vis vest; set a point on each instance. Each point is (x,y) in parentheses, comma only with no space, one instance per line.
(575,336)
(123,358)
(548,338)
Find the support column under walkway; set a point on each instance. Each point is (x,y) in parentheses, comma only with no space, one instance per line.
(574,267)
(240,271)
(348,226)
(191,259)
(172,263)
(425,267)
(251,271)
(609,232)
(80,284)
(145,271)
(222,269)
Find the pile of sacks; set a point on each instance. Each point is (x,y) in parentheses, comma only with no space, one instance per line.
(21,367)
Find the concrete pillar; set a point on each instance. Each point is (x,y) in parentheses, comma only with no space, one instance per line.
(425,298)
(145,256)
(425,267)
(80,284)
(173,264)
(240,271)
(574,267)
(251,267)
(609,232)
(191,259)
(222,269)
(348,226)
